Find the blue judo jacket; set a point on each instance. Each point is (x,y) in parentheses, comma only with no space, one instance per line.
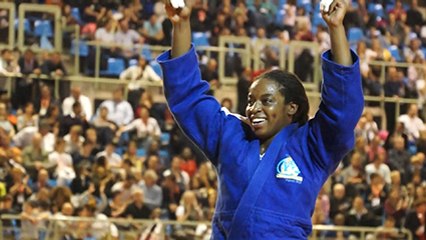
(271,198)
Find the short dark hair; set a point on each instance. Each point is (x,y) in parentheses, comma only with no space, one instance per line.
(293,91)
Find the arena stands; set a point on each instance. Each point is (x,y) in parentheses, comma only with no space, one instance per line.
(67,156)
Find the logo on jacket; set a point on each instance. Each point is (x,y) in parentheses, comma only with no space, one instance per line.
(288,170)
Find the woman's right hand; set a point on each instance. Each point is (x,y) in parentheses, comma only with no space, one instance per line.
(177,15)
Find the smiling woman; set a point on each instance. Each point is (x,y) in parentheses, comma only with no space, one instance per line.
(271,164)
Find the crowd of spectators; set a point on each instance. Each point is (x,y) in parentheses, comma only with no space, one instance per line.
(127,158)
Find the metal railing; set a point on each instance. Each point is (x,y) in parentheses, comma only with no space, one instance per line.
(56,227)
(10,8)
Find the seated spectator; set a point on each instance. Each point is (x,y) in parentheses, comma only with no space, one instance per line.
(375,148)
(42,182)
(114,161)
(28,64)
(64,172)
(188,210)
(396,206)
(153,194)
(74,140)
(8,67)
(105,33)
(188,164)
(45,101)
(24,137)
(5,123)
(35,157)
(120,111)
(413,50)
(412,123)
(339,202)
(29,221)
(92,11)
(84,157)
(100,228)
(137,209)
(399,157)
(55,68)
(81,182)
(147,129)
(128,38)
(59,195)
(28,118)
(137,75)
(378,166)
(18,187)
(116,206)
(354,176)
(105,128)
(132,155)
(376,195)
(153,30)
(76,96)
(53,116)
(415,219)
(76,118)
(359,215)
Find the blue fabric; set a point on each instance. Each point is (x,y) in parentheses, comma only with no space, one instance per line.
(285,204)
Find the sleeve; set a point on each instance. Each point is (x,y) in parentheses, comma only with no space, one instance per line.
(131,126)
(126,74)
(198,114)
(152,75)
(331,131)
(157,129)
(128,113)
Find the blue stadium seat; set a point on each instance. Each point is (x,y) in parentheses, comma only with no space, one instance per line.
(75,12)
(27,27)
(395,53)
(141,152)
(165,138)
(115,66)
(43,28)
(133,62)
(200,39)
(146,53)
(157,68)
(355,35)
(83,48)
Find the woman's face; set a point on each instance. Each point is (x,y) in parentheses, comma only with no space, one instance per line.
(266,109)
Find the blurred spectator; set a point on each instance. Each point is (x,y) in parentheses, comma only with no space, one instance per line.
(181,177)
(153,30)
(114,160)
(354,176)
(64,172)
(5,124)
(413,50)
(132,155)
(399,158)
(8,66)
(24,137)
(339,203)
(137,75)
(119,111)
(412,123)
(84,157)
(99,228)
(188,163)
(27,118)
(35,157)
(24,91)
(398,10)
(378,166)
(76,96)
(55,68)
(76,118)
(74,140)
(92,11)
(415,220)
(188,210)
(105,128)
(41,183)
(153,195)
(18,187)
(137,209)
(359,215)
(210,73)
(396,206)
(127,38)
(376,195)
(244,82)
(45,101)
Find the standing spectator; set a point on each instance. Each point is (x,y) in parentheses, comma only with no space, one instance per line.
(120,111)
(76,96)
(28,64)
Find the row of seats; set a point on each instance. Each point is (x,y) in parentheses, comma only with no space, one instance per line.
(41,27)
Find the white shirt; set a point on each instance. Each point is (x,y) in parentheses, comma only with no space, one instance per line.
(143,130)
(114,160)
(120,113)
(383,170)
(413,126)
(128,38)
(64,168)
(137,76)
(86,105)
(24,138)
(103,35)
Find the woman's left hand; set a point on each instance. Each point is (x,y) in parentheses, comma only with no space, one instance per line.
(335,14)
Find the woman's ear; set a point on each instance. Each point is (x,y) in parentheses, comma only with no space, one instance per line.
(292,108)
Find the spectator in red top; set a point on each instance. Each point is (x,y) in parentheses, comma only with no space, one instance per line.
(188,163)
(398,10)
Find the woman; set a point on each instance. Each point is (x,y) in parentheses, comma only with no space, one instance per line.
(275,146)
